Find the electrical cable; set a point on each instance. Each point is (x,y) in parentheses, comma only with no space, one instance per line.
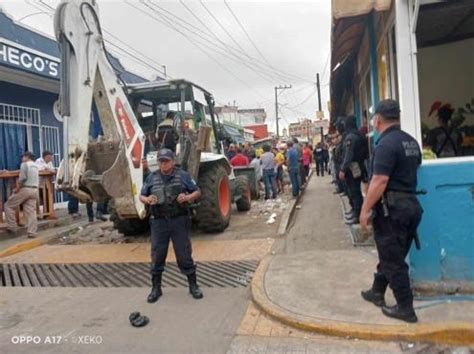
(194,43)
(127,52)
(167,22)
(223,46)
(245,31)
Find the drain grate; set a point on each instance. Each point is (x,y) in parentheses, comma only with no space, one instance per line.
(223,274)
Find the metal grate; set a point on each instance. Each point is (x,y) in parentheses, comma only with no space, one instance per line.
(223,274)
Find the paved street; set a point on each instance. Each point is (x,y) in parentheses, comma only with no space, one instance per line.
(225,321)
(178,324)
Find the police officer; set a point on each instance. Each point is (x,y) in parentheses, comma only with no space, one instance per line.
(168,192)
(396,210)
(352,166)
(339,154)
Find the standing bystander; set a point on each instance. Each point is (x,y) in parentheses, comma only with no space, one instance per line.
(269,172)
(26,195)
(292,162)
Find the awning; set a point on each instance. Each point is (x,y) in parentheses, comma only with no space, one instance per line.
(349,21)
(233,133)
(349,24)
(350,8)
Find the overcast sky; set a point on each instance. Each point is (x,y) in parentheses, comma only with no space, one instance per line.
(291,42)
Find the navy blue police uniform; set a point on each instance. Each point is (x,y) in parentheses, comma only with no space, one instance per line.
(398,214)
(353,165)
(170,220)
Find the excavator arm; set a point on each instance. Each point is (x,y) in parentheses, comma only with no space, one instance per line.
(110,166)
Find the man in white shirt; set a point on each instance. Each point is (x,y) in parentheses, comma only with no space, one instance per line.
(44,163)
(26,195)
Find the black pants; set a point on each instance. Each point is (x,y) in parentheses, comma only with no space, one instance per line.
(354,193)
(302,173)
(101,209)
(341,186)
(176,229)
(319,168)
(393,236)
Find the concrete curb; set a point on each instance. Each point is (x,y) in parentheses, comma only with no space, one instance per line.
(440,332)
(287,215)
(39,241)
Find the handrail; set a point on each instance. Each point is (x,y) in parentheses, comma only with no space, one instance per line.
(45,204)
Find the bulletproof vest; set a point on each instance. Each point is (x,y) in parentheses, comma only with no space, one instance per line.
(167,193)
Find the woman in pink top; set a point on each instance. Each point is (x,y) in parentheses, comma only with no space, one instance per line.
(307,157)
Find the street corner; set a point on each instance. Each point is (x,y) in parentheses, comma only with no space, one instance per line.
(442,328)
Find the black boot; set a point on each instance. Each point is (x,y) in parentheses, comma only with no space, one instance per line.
(405,313)
(378,299)
(156,289)
(193,287)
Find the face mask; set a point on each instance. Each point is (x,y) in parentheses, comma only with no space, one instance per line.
(374,122)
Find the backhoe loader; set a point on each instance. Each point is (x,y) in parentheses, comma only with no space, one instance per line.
(110,167)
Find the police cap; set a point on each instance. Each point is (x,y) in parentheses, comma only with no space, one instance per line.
(389,109)
(165,154)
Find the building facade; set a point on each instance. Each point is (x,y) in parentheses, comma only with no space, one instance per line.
(29,87)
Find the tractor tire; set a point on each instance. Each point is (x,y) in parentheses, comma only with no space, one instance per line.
(129,227)
(242,193)
(213,212)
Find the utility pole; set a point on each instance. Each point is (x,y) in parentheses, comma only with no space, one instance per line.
(276,106)
(318,86)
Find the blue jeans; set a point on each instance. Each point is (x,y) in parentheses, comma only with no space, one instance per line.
(295,181)
(269,178)
(73,205)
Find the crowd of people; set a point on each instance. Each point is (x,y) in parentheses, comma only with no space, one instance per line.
(277,163)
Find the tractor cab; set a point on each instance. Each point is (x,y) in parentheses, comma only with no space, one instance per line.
(175,110)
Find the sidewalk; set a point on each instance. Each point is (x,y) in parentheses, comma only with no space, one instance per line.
(316,284)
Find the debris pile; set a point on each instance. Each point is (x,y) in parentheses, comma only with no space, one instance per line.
(94,233)
(269,209)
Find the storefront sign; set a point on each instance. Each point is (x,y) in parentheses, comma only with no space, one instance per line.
(28,61)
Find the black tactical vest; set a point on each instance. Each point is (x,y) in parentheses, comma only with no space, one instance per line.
(167,192)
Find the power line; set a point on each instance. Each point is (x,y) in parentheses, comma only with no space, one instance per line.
(135,50)
(199,20)
(194,43)
(222,27)
(262,67)
(127,52)
(326,65)
(231,37)
(165,19)
(171,17)
(245,31)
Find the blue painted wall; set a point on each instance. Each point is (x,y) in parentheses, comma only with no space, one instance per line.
(447,228)
(44,101)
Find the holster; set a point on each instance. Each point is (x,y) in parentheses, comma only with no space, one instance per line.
(396,199)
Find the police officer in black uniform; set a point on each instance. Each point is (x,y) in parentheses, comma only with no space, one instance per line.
(339,154)
(168,192)
(352,167)
(396,210)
